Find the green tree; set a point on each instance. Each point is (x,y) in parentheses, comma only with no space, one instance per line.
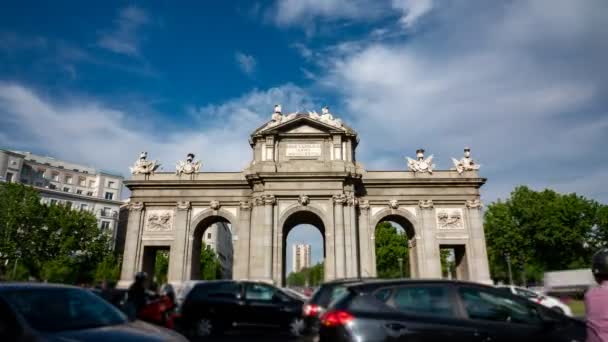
(161,266)
(391,245)
(109,268)
(308,276)
(542,231)
(210,264)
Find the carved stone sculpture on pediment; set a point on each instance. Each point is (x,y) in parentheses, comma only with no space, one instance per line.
(215,205)
(159,221)
(135,206)
(144,166)
(269,199)
(473,204)
(393,204)
(303,200)
(188,166)
(420,164)
(245,205)
(425,204)
(466,163)
(339,198)
(183,205)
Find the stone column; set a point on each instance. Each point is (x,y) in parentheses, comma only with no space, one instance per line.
(479,270)
(339,201)
(430,266)
(241,245)
(354,241)
(269,201)
(365,258)
(330,251)
(177,254)
(132,243)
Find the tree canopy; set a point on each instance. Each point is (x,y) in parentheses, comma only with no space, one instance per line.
(308,276)
(542,231)
(51,243)
(210,264)
(391,246)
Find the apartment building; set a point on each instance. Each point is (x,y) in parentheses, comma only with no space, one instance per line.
(300,257)
(77,186)
(219,238)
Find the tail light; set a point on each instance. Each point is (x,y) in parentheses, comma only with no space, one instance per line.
(311,310)
(336,318)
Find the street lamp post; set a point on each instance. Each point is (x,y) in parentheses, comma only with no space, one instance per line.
(400,266)
(508,257)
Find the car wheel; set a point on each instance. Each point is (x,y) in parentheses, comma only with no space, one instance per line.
(203,327)
(558,310)
(296,327)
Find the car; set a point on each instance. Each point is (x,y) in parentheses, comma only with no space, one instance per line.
(548,301)
(441,310)
(322,298)
(295,293)
(214,307)
(52,312)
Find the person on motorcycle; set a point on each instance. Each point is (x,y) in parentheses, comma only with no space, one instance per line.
(596,300)
(136,295)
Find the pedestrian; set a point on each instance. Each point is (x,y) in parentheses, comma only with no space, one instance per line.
(596,300)
(136,295)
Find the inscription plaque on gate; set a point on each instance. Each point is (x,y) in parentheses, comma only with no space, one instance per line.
(304,150)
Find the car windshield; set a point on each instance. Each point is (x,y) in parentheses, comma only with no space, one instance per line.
(52,310)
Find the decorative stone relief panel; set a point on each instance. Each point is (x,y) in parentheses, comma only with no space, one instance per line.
(449,218)
(159,221)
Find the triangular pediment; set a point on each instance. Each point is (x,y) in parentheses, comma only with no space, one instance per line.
(304,128)
(300,124)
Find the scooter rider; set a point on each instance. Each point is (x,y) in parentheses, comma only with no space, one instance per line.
(136,296)
(596,300)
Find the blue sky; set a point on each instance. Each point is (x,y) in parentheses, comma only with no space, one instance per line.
(523,83)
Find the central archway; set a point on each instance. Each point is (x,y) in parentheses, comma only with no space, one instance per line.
(213,230)
(295,217)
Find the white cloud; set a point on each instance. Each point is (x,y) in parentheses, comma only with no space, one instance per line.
(412,10)
(246,63)
(94,133)
(124,38)
(515,91)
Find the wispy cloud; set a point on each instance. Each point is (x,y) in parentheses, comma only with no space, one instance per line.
(246,63)
(412,10)
(124,38)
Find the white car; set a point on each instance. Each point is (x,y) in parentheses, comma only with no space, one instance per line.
(544,300)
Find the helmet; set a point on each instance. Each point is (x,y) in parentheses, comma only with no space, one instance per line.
(599,265)
(141,276)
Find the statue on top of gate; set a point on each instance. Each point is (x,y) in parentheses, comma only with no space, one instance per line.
(144,166)
(420,164)
(188,166)
(466,163)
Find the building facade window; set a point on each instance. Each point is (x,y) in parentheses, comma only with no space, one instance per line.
(66,189)
(68,204)
(111,184)
(52,186)
(208,235)
(82,181)
(105,225)
(89,193)
(109,196)
(68,179)
(91,184)
(55,176)
(79,192)
(84,206)
(53,201)
(38,183)
(9,177)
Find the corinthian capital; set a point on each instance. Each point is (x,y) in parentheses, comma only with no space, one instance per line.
(183,205)
(352,200)
(245,205)
(339,199)
(473,204)
(135,206)
(364,204)
(269,199)
(258,201)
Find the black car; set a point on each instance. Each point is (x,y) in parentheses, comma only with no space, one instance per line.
(214,307)
(320,300)
(419,310)
(46,312)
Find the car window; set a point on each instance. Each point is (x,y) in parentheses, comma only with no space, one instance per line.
(383,294)
(259,292)
(423,300)
(526,293)
(51,310)
(217,290)
(484,305)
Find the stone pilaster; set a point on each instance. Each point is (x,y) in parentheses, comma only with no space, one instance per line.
(353,256)
(367,266)
(132,243)
(242,243)
(269,201)
(430,265)
(479,270)
(256,246)
(339,201)
(177,254)
(330,252)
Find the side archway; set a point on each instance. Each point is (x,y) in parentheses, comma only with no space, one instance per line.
(408,222)
(222,219)
(292,217)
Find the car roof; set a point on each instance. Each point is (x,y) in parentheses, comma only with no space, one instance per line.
(348,281)
(27,286)
(394,282)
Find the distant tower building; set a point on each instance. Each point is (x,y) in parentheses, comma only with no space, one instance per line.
(300,257)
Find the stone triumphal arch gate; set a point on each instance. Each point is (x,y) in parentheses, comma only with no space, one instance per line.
(304,171)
